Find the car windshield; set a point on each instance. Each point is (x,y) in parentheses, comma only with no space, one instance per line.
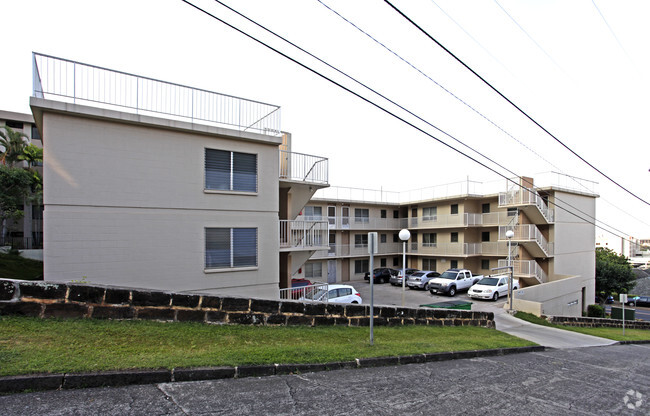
(449,275)
(417,274)
(489,281)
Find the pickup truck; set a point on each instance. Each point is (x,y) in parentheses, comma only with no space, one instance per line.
(452,281)
(491,287)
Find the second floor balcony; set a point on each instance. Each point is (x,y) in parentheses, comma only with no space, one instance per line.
(296,235)
(530,237)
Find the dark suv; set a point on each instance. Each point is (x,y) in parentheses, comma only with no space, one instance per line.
(381,275)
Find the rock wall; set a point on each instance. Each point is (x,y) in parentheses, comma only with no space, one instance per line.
(60,300)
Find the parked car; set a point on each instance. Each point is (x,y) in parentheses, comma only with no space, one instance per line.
(381,275)
(397,280)
(338,294)
(300,283)
(421,279)
(491,288)
(452,281)
(639,301)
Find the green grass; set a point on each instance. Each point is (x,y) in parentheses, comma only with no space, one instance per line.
(13,266)
(609,333)
(31,345)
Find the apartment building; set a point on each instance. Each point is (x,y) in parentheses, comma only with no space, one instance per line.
(26,233)
(156,185)
(458,226)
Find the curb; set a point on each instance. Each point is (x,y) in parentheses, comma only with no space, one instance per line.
(16,384)
(634,342)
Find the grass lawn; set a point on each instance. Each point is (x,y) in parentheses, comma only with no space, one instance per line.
(31,345)
(13,266)
(610,333)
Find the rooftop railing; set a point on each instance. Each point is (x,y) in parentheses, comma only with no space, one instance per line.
(75,82)
(303,168)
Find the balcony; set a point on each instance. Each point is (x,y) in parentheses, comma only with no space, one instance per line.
(530,237)
(364,223)
(530,202)
(528,270)
(75,82)
(296,235)
(358,250)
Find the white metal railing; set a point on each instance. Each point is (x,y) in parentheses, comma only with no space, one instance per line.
(303,168)
(355,250)
(527,232)
(524,197)
(495,248)
(446,249)
(316,292)
(525,268)
(303,234)
(353,223)
(76,82)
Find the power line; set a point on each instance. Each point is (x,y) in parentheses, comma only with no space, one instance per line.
(447,91)
(512,103)
(379,107)
(611,31)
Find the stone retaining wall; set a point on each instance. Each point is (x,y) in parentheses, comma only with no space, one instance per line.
(60,300)
(597,322)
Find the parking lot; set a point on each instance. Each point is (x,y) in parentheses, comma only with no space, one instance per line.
(387,294)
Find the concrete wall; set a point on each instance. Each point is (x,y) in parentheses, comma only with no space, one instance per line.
(562,297)
(125,202)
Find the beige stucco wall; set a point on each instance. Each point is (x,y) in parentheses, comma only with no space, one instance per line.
(562,297)
(125,202)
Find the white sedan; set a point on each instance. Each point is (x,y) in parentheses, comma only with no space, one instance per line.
(491,288)
(338,294)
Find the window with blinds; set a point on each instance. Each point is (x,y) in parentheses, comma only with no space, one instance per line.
(230,171)
(230,247)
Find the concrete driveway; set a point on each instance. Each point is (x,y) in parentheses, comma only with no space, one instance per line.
(387,294)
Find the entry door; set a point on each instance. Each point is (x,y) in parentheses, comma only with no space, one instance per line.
(331,216)
(331,271)
(345,217)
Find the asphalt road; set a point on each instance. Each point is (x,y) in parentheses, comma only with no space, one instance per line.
(612,380)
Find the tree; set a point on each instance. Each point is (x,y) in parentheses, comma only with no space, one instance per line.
(14,144)
(613,272)
(32,154)
(16,186)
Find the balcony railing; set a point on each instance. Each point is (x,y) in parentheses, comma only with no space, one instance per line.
(316,292)
(528,232)
(434,221)
(303,168)
(522,197)
(75,82)
(356,250)
(526,268)
(297,234)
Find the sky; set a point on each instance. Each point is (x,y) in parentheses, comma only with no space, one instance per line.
(579,68)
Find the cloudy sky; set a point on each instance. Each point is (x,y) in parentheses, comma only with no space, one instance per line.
(579,68)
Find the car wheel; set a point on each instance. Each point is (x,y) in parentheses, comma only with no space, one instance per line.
(630,304)
(495,297)
(432,292)
(355,302)
(452,292)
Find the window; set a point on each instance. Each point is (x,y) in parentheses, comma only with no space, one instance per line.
(382,238)
(395,213)
(230,171)
(361,215)
(429,239)
(382,262)
(14,124)
(414,212)
(454,209)
(395,261)
(230,247)
(313,213)
(313,270)
(36,135)
(360,266)
(454,237)
(395,238)
(485,236)
(454,264)
(331,211)
(428,264)
(512,212)
(361,240)
(485,208)
(429,214)
(485,264)
(383,213)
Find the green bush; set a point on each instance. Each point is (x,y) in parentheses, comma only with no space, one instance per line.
(595,311)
